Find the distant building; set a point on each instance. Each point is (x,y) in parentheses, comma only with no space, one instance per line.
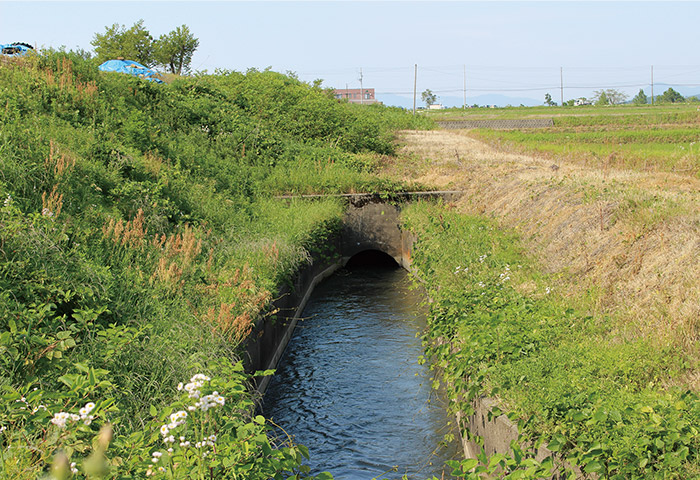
(436,106)
(356,95)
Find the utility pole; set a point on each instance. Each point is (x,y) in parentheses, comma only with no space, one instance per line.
(561,83)
(362,92)
(652,84)
(415,83)
(465,86)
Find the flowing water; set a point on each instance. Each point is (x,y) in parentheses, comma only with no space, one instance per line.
(349,386)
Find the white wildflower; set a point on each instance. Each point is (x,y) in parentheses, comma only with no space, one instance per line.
(73,468)
(178,416)
(60,419)
(85,411)
(210,401)
(8,201)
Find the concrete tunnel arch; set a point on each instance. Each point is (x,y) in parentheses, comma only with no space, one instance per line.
(375,226)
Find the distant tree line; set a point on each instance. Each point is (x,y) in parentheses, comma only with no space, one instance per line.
(172,51)
(613,96)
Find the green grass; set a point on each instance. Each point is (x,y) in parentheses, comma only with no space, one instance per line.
(565,114)
(499,328)
(140,240)
(663,138)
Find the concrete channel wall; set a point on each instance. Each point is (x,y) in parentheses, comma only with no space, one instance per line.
(371,222)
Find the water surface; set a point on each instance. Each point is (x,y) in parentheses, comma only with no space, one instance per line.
(349,386)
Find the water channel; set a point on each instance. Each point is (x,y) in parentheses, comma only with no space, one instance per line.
(349,386)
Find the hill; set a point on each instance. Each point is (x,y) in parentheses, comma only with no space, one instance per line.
(139,241)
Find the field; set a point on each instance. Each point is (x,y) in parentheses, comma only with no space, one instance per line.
(598,343)
(663,138)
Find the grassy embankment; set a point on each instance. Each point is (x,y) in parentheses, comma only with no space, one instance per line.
(590,341)
(139,241)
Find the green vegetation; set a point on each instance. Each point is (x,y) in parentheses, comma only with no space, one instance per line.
(139,242)
(172,51)
(498,328)
(646,138)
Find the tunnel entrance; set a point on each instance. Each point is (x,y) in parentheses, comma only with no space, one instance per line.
(372,259)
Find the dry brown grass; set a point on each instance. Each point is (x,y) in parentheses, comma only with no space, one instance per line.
(620,242)
(236,317)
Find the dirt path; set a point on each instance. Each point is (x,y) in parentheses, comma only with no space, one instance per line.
(628,242)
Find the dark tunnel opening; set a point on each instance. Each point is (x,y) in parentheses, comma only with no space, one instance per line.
(372,259)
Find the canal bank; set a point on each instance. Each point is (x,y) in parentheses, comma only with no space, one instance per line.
(374,223)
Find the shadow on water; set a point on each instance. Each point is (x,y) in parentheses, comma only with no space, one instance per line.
(349,386)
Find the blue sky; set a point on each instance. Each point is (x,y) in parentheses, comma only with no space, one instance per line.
(509,48)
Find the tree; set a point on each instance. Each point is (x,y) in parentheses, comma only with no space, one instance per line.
(610,96)
(136,43)
(548,100)
(671,96)
(428,97)
(600,98)
(641,98)
(174,50)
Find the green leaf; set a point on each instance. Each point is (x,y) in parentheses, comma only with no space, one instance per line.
(600,416)
(593,467)
(153,411)
(469,464)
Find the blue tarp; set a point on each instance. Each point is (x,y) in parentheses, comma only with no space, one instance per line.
(16,49)
(132,68)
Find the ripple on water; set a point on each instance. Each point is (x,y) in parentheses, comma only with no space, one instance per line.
(349,386)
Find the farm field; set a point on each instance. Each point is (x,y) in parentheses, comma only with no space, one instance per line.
(663,138)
